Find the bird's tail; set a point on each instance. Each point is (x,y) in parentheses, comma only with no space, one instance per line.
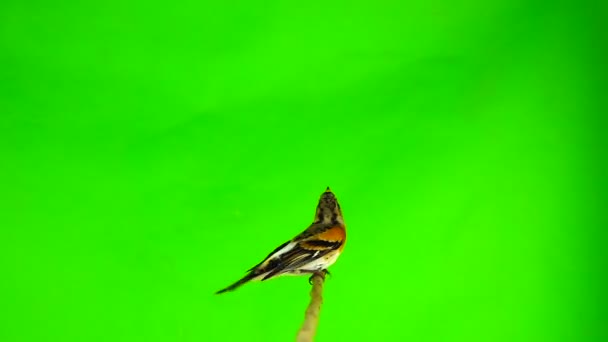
(243,280)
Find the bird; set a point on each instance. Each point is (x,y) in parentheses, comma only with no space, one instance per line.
(309,253)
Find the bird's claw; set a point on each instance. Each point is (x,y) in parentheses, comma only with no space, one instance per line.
(321,273)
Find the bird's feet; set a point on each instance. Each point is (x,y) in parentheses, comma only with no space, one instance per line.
(321,273)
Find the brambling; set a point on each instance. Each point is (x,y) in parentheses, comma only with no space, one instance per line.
(310,252)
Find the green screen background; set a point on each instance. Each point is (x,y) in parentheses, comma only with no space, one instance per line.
(151,152)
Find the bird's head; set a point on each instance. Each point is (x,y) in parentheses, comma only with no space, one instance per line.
(328,210)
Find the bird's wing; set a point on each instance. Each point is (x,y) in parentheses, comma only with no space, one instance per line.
(277,251)
(314,243)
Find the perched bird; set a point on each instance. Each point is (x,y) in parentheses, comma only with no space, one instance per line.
(310,252)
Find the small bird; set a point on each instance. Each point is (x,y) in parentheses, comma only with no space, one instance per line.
(310,252)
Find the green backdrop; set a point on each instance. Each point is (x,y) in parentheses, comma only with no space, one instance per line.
(151,152)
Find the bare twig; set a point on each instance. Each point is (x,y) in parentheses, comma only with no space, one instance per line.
(311,319)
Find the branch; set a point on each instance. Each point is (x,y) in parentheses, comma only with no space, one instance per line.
(311,318)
